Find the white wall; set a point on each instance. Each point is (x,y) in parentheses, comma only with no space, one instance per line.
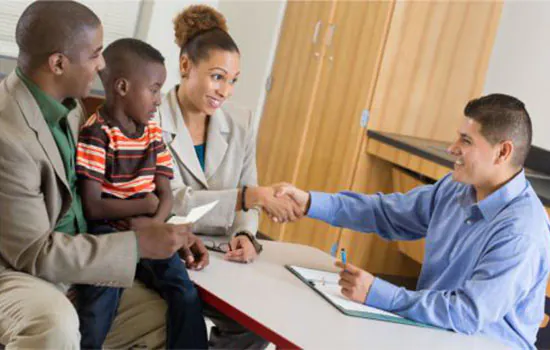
(255,26)
(520,62)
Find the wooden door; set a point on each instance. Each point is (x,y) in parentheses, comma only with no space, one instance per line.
(295,77)
(331,146)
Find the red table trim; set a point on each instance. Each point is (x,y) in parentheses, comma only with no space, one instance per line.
(245,320)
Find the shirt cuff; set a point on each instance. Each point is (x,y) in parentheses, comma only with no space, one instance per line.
(319,207)
(381,294)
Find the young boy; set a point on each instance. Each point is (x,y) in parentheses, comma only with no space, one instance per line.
(124,172)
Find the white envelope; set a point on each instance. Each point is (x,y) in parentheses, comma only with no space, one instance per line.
(194,215)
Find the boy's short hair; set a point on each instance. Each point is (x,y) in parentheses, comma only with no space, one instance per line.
(503,118)
(125,57)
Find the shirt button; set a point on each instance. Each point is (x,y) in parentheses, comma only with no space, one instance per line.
(469,222)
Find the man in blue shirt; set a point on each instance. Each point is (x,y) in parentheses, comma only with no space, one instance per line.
(487,236)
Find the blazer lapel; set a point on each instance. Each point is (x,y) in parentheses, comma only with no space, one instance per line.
(171,120)
(31,112)
(216,142)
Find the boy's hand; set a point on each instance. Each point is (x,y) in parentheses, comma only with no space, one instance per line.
(141,222)
(152,202)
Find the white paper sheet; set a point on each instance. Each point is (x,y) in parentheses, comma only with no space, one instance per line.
(327,283)
(194,215)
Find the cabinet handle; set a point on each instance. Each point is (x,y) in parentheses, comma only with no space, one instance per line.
(316,31)
(330,35)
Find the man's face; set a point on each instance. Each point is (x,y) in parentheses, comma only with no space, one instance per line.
(86,61)
(476,161)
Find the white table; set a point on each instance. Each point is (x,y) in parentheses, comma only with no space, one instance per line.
(268,299)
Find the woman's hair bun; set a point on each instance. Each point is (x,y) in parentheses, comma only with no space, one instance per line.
(195,19)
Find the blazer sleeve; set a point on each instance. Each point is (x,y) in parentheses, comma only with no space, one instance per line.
(248,221)
(27,242)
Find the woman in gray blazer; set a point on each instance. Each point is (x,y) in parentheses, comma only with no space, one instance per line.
(213,143)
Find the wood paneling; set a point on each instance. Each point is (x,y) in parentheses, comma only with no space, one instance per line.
(310,133)
(332,142)
(435,61)
(406,160)
(295,76)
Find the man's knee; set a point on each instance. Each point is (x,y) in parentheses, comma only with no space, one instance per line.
(53,326)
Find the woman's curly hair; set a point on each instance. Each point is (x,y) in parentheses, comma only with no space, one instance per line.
(197,19)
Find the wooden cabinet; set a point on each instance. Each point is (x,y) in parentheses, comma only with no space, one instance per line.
(310,132)
(412,65)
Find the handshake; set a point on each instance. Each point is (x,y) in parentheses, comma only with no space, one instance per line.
(282,202)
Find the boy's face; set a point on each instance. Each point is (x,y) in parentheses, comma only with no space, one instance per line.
(144,93)
(79,73)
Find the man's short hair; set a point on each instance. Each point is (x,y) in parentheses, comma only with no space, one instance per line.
(503,117)
(125,57)
(48,27)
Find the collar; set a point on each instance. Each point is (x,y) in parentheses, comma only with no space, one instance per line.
(489,207)
(52,109)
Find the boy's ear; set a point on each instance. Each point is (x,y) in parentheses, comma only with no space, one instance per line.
(57,63)
(122,86)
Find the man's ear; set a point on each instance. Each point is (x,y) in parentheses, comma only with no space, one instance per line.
(505,152)
(122,86)
(57,63)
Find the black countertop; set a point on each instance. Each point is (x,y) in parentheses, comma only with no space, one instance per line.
(435,151)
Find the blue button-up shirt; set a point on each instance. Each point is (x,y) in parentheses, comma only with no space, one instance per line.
(486,264)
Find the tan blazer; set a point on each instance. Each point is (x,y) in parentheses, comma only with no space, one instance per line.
(34,195)
(230,163)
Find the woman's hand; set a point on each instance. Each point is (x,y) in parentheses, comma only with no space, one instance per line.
(280,209)
(242,250)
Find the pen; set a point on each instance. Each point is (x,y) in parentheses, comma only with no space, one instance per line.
(321,282)
(343,255)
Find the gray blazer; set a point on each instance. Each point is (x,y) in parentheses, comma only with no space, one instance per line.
(230,163)
(34,195)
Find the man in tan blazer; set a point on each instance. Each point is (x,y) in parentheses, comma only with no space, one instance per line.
(43,247)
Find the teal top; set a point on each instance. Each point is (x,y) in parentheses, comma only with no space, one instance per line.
(200,150)
(55,113)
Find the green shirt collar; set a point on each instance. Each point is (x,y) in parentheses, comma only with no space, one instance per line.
(52,109)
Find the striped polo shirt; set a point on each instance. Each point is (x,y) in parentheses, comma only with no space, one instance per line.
(125,165)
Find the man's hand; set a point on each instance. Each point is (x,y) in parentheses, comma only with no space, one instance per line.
(300,198)
(355,282)
(161,241)
(195,254)
(283,208)
(242,250)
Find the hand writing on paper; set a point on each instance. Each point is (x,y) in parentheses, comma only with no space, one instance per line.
(355,282)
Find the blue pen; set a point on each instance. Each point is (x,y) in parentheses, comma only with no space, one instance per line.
(343,255)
